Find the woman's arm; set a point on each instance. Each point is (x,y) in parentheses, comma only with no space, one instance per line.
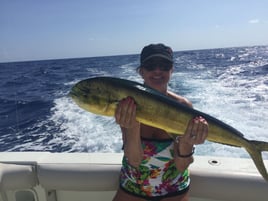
(125,116)
(196,133)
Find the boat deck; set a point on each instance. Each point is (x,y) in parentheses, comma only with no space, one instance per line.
(43,176)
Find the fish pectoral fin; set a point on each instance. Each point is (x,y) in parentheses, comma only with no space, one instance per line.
(254,150)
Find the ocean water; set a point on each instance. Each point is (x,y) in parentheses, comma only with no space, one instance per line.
(36,113)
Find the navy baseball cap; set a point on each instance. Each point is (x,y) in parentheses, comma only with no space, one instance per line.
(156,50)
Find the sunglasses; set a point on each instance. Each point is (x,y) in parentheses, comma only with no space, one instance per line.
(153,65)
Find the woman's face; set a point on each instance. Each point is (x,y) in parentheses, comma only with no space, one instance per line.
(156,73)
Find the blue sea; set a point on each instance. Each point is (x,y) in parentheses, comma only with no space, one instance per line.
(36,113)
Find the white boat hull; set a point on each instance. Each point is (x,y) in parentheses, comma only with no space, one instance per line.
(43,176)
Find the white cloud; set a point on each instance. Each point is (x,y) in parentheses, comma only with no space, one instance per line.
(254,21)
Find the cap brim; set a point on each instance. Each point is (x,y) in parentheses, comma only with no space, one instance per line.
(157,55)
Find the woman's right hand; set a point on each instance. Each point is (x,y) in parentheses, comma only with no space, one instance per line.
(125,114)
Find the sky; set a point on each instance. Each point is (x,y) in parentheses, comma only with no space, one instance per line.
(56,29)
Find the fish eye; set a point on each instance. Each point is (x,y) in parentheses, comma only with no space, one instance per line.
(85,95)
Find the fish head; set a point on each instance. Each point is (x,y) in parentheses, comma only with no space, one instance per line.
(93,96)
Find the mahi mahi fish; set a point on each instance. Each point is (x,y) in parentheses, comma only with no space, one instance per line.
(100,95)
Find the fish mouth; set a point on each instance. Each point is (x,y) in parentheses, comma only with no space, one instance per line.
(72,94)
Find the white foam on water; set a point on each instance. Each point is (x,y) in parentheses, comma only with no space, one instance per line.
(84,131)
(238,101)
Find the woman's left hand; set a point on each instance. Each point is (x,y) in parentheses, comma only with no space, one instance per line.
(196,132)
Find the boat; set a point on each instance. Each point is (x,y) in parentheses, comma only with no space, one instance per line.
(45,176)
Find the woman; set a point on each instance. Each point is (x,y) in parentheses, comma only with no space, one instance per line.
(155,165)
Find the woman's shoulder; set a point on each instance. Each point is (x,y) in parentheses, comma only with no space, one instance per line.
(180,99)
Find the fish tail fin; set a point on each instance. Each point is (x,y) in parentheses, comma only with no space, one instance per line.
(255,151)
